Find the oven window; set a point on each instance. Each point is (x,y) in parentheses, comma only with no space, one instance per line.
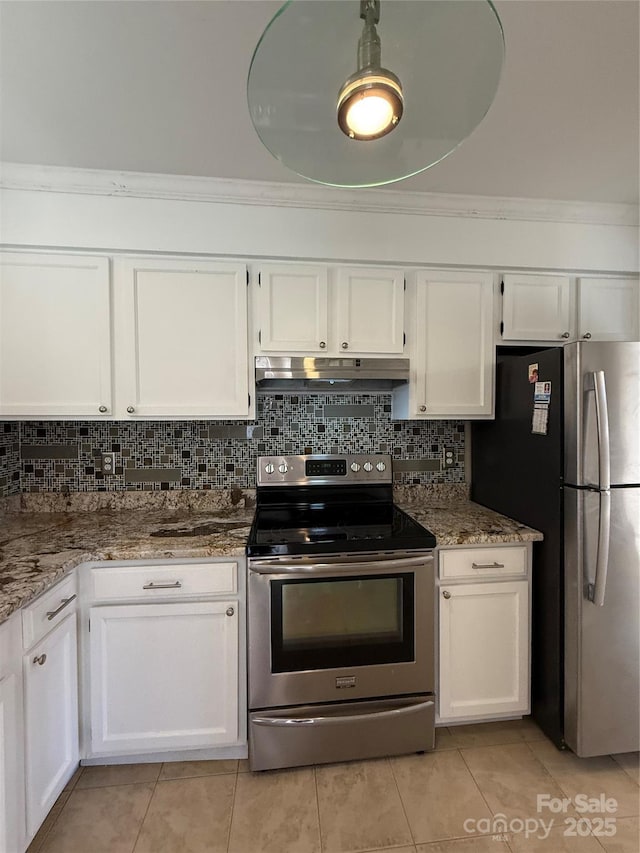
(323,623)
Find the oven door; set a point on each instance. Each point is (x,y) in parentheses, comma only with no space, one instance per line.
(340,628)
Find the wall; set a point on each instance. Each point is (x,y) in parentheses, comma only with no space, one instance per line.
(59,456)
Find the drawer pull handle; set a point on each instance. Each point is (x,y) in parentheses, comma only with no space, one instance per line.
(230,611)
(487,565)
(154,585)
(51,614)
(40,659)
(446,593)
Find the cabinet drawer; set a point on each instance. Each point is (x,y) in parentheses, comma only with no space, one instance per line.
(170,580)
(48,611)
(477,563)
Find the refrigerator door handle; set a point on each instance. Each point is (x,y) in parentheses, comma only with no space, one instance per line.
(602,423)
(596,591)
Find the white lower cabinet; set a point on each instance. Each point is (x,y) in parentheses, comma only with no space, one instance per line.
(51,715)
(163,659)
(12,811)
(484,636)
(50,673)
(163,676)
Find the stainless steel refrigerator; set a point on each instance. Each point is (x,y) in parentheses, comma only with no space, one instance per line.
(563,456)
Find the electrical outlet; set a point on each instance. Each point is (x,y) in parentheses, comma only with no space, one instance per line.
(448,457)
(108,463)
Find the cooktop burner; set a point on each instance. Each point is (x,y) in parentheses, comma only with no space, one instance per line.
(329,505)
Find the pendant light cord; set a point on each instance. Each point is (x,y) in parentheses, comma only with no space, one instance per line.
(369,47)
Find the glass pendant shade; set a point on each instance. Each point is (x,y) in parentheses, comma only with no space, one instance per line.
(330,120)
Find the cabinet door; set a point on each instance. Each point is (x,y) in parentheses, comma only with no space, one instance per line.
(185,339)
(537,308)
(55,336)
(51,715)
(454,347)
(484,649)
(11,772)
(12,829)
(608,309)
(163,676)
(370,310)
(292,309)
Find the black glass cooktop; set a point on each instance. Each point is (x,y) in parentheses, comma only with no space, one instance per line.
(331,528)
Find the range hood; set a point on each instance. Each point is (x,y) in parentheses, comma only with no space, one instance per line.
(299,373)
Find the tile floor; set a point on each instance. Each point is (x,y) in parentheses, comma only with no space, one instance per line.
(411,804)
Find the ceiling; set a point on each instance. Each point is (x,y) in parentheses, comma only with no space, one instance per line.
(161,87)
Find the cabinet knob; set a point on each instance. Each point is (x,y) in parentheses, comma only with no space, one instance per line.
(40,659)
(230,611)
(587,336)
(130,409)
(102,409)
(323,344)
(446,593)
(345,345)
(565,335)
(422,408)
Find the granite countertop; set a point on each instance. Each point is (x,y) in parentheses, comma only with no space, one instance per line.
(462,522)
(43,537)
(37,548)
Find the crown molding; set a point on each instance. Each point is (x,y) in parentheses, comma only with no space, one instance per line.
(58,179)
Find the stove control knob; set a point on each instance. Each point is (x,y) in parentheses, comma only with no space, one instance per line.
(368,467)
(283,467)
(269,468)
(355,467)
(381,466)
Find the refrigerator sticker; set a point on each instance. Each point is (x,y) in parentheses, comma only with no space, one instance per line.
(542,392)
(533,373)
(540,419)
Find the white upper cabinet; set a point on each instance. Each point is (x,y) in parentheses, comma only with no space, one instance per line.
(183,339)
(370,310)
(559,309)
(292,308)
(329,310)
(537,308)
(55,336)
(608,309)
(451,347)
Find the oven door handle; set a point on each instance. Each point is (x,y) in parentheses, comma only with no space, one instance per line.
(273,567)
(338,719)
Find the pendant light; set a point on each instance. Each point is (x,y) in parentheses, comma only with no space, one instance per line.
(373,126)
(370,103)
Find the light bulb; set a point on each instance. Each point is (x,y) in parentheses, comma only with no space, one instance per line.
(369,114)
(370,104)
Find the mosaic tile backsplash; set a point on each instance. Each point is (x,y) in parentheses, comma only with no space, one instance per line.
(9,459)
(65,456)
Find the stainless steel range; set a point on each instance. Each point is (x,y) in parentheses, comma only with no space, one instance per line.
(341,628)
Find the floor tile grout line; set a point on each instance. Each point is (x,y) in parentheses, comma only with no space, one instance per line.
(315,784)
(625,770)
(233,807)
(404,810)
(146,812)
(475,782)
